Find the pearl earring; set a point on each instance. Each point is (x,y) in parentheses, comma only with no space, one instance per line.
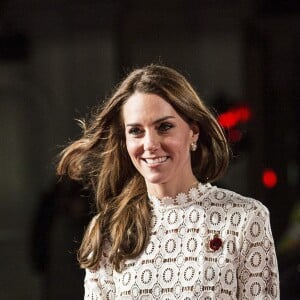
(193,146)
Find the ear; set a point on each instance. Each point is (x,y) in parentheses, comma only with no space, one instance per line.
(195,129)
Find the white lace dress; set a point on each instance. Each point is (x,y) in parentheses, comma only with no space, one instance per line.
(208,244)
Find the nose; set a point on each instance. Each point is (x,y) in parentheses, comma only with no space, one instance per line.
(151,141)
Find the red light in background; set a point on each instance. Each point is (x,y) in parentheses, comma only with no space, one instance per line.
(269,178)
(228,119)
(233,116)
(244,113)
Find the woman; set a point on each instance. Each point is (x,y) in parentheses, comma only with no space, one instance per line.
(162,231)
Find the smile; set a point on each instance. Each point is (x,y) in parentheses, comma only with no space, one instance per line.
(157,160)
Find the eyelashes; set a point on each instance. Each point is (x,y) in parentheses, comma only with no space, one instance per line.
(162,128)
(134,131)
(165,127)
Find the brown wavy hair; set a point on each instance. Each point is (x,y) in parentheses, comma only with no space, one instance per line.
(100,158)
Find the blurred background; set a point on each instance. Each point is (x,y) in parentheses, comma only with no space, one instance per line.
(59,58)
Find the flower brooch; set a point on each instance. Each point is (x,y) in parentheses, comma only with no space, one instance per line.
(214,243)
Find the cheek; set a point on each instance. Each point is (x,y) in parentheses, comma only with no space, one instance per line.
(178,146)
(133,148)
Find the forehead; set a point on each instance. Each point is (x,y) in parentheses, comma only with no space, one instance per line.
(145,107)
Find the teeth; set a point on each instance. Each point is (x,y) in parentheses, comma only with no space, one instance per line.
(155,160)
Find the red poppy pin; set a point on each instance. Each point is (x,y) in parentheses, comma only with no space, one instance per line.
(215,244)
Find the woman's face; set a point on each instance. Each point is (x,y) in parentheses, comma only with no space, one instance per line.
(158,139)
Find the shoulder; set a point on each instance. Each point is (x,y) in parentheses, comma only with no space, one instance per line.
(231,199)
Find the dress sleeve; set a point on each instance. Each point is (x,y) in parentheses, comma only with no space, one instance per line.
(99,284)
(258,276)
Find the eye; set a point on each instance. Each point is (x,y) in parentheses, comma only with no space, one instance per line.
(165,126)
(135,131)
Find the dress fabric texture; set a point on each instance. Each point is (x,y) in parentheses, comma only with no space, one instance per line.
(209,243)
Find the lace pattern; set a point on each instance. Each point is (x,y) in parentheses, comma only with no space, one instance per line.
(179,262)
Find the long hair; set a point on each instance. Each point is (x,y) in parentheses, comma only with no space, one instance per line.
(100,158)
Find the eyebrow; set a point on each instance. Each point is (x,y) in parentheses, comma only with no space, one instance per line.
(155,122)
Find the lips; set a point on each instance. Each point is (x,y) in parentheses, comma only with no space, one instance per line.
(156,160)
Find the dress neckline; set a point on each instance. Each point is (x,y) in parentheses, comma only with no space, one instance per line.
(181,199)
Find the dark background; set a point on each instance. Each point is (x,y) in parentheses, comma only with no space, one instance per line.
(59,58)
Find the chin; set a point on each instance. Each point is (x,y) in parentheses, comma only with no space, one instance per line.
(155,180)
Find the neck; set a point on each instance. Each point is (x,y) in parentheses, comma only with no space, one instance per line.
(162,190)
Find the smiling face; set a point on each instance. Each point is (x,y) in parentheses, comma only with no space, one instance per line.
(158,142)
